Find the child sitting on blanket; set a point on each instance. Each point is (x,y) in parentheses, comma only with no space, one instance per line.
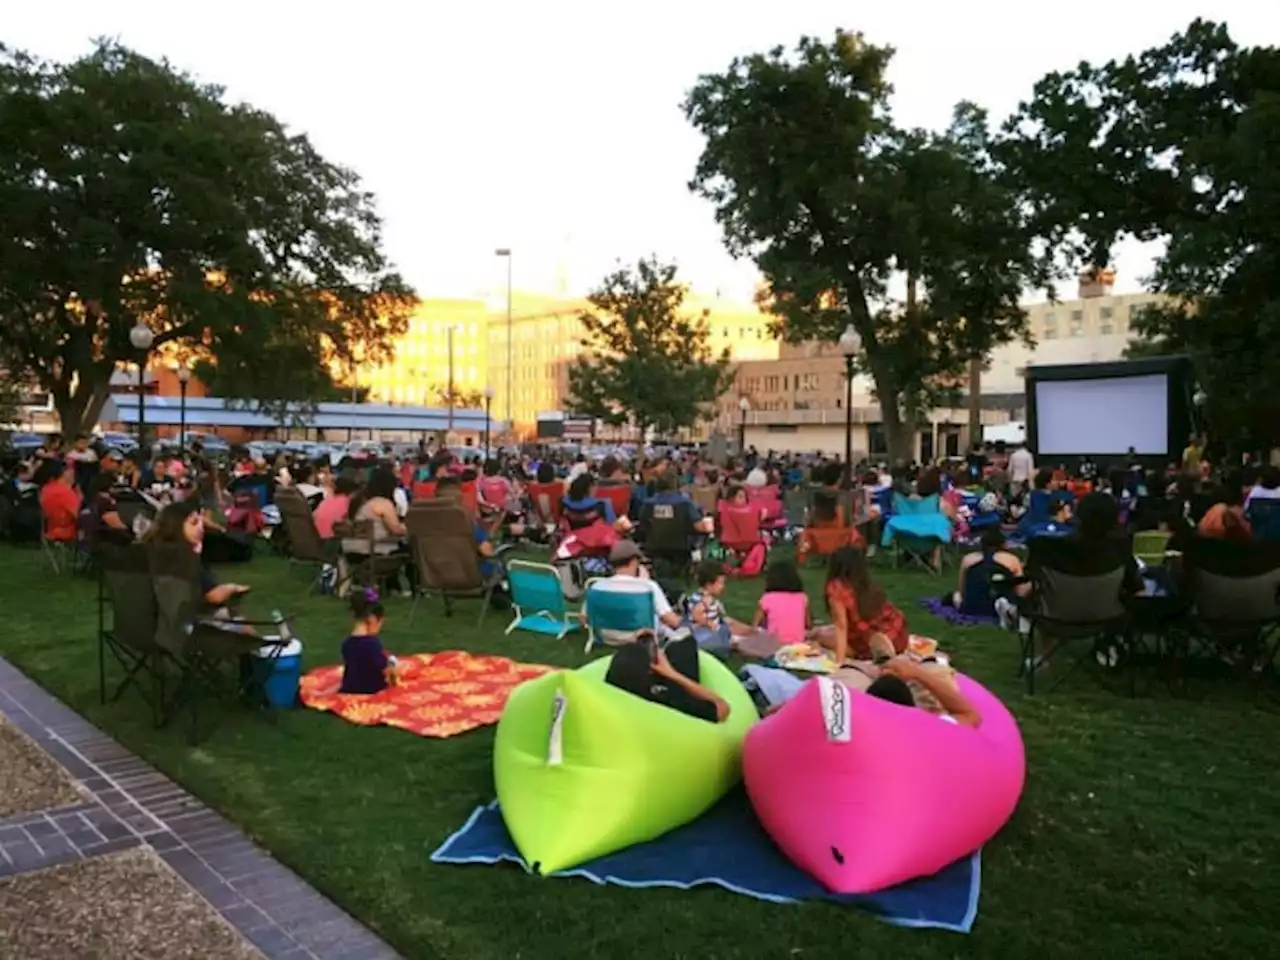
(366,667)
(784,607)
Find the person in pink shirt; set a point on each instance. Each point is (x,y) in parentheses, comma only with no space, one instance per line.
(784,607)
(333,508)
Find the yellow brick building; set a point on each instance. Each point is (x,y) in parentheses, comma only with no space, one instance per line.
(419,372)
(546,335)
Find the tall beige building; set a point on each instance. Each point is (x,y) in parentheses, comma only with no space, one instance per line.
(546,338)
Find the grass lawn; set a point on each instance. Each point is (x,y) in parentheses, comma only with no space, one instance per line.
(1147,827)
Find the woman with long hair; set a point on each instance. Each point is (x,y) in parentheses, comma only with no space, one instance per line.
(864,623)
(375,505)
(183,523)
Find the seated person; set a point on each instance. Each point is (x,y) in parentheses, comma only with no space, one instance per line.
(1226,519)
(713,629)
(783,610)
(183,523)
(974,595)
(894,681)
(825,530)
(666,674)
(580,509)
(665,491)
(59,499)
(450,488)
(333,509)
(366,667)
(630,577)
(865,625)
(110,527)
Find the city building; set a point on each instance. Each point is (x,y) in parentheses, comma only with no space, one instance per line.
(1090,329)
(443,335)
(546,337)
(797,401)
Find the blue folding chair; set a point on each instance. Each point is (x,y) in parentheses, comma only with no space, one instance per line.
(615,610)
(538,599)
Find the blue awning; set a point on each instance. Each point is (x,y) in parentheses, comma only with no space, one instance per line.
(219,412)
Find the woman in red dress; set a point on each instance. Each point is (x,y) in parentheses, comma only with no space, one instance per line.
(864,623)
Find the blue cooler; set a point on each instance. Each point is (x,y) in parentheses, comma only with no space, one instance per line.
(281,683)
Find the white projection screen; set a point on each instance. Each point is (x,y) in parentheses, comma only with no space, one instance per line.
(1103,416)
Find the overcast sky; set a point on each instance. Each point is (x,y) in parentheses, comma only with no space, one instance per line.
(554,127)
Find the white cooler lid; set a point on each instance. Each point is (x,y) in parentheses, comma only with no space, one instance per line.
(293,649)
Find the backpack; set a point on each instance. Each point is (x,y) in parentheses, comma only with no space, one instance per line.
(573,578)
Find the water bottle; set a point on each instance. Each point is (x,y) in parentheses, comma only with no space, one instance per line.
(282,626)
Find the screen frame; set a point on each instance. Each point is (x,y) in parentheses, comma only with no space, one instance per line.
(1180,383)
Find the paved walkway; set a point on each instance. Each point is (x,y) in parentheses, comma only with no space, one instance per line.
(135,805)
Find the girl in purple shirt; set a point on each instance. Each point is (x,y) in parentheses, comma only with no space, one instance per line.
(364,662)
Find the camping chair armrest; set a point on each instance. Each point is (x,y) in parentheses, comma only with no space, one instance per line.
(503,550)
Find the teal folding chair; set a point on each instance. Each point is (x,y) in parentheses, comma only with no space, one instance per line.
(616,611)
(538,599)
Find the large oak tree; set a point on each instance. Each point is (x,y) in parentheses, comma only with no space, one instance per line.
(131,194)
(812,179)
(645,356)
(1179,143)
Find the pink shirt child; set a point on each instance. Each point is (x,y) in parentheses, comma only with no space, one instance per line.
(785,615)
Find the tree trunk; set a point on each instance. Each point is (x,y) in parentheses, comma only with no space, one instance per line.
(975,401)
(78,411)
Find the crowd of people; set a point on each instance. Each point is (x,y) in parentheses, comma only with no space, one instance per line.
(987,498)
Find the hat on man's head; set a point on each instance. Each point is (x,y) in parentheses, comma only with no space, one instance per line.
(624,551)
(113,453)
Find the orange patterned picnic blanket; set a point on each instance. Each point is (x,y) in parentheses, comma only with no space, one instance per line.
(437,694)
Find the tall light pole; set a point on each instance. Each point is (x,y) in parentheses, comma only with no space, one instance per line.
(744,405)
(142,338)
(184,378)
(488,403)
(452,393)
(850,345)
(506,252)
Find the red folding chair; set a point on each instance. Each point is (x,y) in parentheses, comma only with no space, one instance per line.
(768,500)
(545,499)
(618,495)
(423,490)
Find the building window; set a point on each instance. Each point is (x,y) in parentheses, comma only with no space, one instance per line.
(1122,321)
(1105,320)
(877,442)
(1050,326)
(1050,333)
(1077,323)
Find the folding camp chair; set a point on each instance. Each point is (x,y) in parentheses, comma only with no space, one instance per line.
(443,544)
(616,614)
(618,495)
(125,587)
(1234,591)
(1149,546)
(1076,594)
(917,530)
(537,595)
(306,547)
(219,657)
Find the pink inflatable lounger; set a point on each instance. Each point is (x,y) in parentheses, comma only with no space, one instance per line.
(864,794)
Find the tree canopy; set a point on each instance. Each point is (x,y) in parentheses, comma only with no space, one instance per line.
(646,358)
(1178,143)
(134,194)
(812,179)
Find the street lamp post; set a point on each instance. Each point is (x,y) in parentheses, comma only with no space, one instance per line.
(744,405)
(850,346)
(142,338)
(488,404)
(451,394)
(184,378)
(506,252)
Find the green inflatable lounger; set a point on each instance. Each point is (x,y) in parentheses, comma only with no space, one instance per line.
(584,769)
